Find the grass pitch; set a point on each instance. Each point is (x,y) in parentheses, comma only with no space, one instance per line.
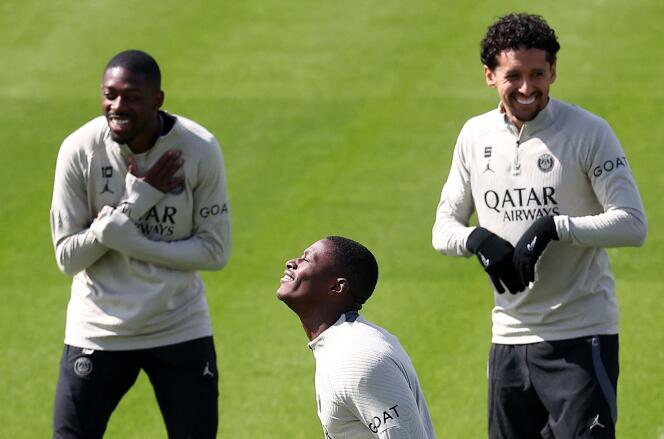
(334,118)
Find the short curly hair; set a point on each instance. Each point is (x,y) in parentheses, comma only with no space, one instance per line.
(357,264)
(137,61)
(518,31)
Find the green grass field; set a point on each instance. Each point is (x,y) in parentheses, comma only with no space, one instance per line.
(335,117)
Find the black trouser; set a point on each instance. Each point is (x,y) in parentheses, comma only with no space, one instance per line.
(184,377)
(560,389)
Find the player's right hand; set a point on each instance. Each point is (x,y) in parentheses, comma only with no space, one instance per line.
(161,175)
(495,254)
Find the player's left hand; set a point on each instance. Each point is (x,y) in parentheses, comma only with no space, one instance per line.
(531,246)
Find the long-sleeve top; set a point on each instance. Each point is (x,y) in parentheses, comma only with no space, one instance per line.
(366,385)
(567,163)
(132,250)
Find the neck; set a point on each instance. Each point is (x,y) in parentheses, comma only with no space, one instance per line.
(316,322)
(148,138)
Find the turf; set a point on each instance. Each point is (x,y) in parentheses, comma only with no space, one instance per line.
(334,118)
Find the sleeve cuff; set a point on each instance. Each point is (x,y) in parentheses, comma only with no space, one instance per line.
(562,227)
(139,197)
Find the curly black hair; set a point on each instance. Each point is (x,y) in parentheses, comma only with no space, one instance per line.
(357,264)
(518,31)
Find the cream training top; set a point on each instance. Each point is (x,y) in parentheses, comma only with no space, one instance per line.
(133,251)
(366,385)
(566,162)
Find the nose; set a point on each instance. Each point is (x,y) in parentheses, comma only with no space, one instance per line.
(526,87)
(291,264)
(117,104)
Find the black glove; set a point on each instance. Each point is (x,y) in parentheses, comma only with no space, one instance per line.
(531,245)
(495,255)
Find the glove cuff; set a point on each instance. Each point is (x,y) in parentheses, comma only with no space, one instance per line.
(476,238)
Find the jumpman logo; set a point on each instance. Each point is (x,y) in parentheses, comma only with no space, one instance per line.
(531,246)
(488,168)
(207,371)
(596,423)
(106,189)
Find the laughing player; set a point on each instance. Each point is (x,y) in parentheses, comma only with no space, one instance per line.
(552,189)
(366,385)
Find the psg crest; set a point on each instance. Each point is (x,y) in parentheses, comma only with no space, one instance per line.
(545,162)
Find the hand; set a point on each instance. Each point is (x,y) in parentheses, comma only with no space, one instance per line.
(161,174)
(495,255)
(531,245)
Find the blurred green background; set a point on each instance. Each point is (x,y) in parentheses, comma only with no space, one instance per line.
(335,117)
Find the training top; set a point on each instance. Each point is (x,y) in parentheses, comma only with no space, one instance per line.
(366,385)
(132,250)
(568,163)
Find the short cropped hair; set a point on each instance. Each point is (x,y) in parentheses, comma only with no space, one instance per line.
(137,61)
(518,31)
(357,264)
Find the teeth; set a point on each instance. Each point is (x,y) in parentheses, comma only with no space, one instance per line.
(525,100)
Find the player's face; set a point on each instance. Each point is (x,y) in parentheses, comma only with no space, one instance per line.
(310,277)
(130,104)
(522,79)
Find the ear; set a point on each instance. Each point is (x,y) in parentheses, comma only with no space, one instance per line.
(340,286)
(159,99)
(490,77)
(553,73)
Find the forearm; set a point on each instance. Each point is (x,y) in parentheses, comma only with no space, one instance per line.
(77,252)
(614,228)
(450,231)
(204,251)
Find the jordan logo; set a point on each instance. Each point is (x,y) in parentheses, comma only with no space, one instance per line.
(488,168)
(207,371)
(596,423)
(106,189)
(531,246)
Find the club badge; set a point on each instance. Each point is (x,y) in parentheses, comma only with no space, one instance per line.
(83,366)
(545,162)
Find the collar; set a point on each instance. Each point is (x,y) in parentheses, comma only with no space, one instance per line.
(543,119)
(347,317)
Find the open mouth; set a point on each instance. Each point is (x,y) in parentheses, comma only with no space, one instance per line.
(119,123)
(288,276)
(525,100)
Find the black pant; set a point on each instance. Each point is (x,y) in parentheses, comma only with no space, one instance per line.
(184,377)
(560,389)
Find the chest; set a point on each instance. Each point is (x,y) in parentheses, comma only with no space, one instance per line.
(170,218)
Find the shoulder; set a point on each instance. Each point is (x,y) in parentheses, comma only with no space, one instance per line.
(195,133)
(577,118)
(86,139)
(364,348)
(482,124)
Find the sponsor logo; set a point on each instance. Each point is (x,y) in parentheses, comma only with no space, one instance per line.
(522,204)
(531,245)
(159,220)
(485,261)
(213,210)
(610,166)
(83,366)
(545,162)
(384,419)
